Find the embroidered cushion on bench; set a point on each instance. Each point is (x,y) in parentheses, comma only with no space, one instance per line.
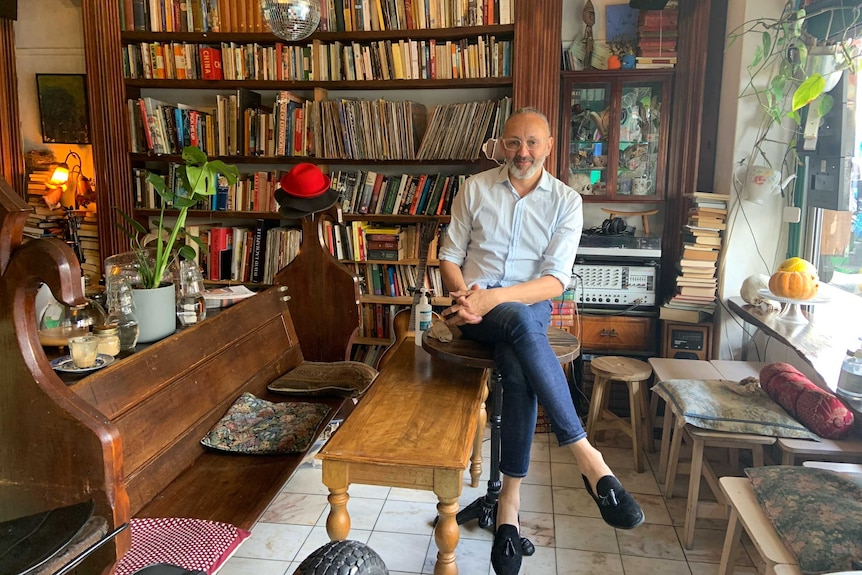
(711,404)
(817,513)
(815,408)
(342,378)
(254,425)
(194,544)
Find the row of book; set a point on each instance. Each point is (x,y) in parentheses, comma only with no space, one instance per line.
(244,254)
(241,125)
(398,280)
(657,37)
(372,15)
(253,192)
(238,125)
(357,241)
(368,354)
(482,57)
(370,192)
(335,15)
(702,240)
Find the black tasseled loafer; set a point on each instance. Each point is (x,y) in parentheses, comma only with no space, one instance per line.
(618,508)
(506,551)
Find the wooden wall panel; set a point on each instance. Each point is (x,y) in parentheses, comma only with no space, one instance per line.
(108,121)
(685,130)
(11,149)
(536,61)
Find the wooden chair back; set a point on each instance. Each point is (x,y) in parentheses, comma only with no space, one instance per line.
(324,293)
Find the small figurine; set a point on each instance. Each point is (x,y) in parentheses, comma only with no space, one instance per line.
(628,62)
(589,17)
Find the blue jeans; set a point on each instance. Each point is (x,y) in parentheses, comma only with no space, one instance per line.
(530,371)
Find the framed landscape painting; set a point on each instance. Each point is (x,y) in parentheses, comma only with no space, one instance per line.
(63,108)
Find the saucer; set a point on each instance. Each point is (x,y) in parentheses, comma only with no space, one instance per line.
(66,365)
(764,292)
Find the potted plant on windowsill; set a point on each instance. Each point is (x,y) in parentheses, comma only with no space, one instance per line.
(799,58)
(155,251)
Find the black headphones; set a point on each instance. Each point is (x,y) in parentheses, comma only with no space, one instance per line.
(614,227)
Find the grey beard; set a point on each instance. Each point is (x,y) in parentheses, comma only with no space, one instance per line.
(537,165)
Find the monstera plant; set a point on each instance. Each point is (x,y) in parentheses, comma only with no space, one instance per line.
(195,180)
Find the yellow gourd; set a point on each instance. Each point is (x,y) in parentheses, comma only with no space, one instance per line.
(796,278)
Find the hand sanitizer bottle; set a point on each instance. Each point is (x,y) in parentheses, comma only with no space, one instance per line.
(423,316)
(850,379)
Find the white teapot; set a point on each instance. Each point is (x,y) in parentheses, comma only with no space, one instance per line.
(760,182)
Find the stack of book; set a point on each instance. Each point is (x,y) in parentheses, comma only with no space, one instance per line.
(384,244)
(657,37)
(694,301)
(88,239)
(43,221)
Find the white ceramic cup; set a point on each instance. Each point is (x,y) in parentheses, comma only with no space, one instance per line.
(641,186)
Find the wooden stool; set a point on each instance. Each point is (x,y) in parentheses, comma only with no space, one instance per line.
(634,374)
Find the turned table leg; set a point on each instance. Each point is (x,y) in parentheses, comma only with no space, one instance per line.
(338,520)
(447,487)
(476,458)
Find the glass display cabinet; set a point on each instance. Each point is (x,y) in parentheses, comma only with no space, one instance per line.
(613,138)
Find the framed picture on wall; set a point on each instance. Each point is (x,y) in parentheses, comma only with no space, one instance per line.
(63,108)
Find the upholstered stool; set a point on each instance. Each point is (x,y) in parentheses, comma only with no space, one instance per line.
(634,374)
(470,353)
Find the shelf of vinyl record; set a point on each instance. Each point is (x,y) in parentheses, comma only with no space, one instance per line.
(694,300)
(45,221)
(247,125)
(245,16)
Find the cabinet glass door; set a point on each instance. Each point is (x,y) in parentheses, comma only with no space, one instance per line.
(637,170)
(587,158)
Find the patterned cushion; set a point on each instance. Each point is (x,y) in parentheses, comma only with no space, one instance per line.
(814,407)
(342,378)
(817,513)
(711,404)
(254,425)
(193,544)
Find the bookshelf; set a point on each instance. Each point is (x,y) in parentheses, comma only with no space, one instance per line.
(529,78)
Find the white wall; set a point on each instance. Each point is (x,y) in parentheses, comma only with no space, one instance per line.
(48,40)
(756,238)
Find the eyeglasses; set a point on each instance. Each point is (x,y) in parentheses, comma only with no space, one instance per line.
(514,144)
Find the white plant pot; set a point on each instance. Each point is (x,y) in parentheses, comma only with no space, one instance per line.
(156,312)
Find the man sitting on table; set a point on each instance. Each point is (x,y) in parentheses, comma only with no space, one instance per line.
(509,249)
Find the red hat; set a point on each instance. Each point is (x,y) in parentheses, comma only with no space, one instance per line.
(304,190)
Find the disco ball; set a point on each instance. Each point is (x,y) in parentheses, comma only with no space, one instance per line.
(291,19)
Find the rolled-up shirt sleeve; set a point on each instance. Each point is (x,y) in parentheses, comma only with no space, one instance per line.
(457,238)
(559,258)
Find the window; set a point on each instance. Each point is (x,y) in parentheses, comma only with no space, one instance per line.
(838,234)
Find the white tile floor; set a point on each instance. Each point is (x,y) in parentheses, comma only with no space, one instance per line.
(557,514)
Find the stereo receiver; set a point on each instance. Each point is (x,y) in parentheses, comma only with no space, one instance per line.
(612,284)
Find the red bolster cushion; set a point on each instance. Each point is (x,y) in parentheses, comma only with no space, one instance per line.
(812,406)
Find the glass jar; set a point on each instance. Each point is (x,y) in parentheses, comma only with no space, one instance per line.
(59,322)
(109,339)
(121,311)
(191,306)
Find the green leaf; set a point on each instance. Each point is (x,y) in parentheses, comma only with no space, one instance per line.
(808,91)
(230,172)
(194,155)
(157,181)
(758,56)
(766,42)
(825,104)
(186,253)
(132,222)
